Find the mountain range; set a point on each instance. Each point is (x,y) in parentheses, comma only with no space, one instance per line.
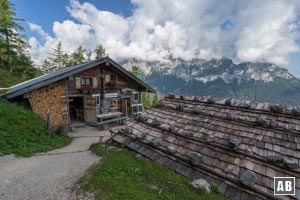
(263,82)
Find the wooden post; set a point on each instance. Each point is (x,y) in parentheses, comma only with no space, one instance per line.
(101,91)
(48,119)
(67,95)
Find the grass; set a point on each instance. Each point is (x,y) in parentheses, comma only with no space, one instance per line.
(7,80)
(23,133)
(120,175)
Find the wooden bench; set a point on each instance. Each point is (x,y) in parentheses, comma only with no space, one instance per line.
(110,117)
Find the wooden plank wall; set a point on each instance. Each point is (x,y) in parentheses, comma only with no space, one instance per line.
(107,104)
(122,81)
(95,73)
(52,98)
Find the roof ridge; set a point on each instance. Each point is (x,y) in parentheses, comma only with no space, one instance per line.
(240,103)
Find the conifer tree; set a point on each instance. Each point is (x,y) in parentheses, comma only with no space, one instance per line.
(155,98)
(88,56)
(100,51)
(57,56)
(146,100)
(77,57)
(12,44)
(46,67)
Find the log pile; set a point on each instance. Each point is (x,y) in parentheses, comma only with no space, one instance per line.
(53,99)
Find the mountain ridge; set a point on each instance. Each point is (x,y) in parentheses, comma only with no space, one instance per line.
(223,78)
(196,68)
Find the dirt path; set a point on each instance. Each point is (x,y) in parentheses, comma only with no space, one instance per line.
(49,175)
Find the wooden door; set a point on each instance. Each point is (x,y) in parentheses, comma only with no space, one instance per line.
(126,106)
(90,110)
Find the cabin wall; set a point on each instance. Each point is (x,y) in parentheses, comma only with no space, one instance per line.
(98,72)
(112,92)
(51,98)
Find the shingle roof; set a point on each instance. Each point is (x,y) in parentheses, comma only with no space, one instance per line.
(41,81)
(223,141)
(45,77)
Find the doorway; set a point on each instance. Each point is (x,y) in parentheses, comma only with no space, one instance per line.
(76,109)
(126,106)
(90,110)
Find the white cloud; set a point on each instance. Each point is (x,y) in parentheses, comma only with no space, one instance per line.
(258,31)
(72,35)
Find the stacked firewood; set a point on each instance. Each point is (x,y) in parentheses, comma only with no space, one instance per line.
(53,99)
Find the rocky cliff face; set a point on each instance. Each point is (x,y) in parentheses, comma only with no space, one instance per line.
(224,78)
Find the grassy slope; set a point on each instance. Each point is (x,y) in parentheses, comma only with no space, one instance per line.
(7,80)
(121,175)
(23,133)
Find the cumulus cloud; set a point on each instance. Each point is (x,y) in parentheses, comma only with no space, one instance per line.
(157,30)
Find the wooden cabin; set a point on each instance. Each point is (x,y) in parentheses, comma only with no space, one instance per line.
(95,93)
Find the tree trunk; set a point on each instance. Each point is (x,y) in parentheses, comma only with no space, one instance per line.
(8,52)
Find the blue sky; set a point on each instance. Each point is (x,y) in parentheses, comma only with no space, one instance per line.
(156,29)
(45,12)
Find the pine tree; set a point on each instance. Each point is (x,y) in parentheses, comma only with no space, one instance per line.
(57,56)
(24,69)
(100,51)
(77,57)
(146,100)
(89,55)
(12,43)
(47,67)
(155,98)
(3,55)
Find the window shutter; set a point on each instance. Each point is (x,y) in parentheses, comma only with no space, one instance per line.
(77,83)
(95,82)
(107,78)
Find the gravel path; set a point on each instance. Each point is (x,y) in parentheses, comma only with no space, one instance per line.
(49,175)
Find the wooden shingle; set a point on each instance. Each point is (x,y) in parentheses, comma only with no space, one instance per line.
(220,163)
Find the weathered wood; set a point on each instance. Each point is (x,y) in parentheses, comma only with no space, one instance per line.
(112,120)
(51,93)
(90,109)
(46,80)
(52,80)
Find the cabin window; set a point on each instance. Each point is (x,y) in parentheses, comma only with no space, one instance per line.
(113,77)
(98,100)
(135,96)
(110,78)
(107,78)
(113,104)
(86,81)
(137,108)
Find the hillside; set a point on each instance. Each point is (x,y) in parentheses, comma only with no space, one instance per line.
(7,80)
(23,133)
(222,78)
